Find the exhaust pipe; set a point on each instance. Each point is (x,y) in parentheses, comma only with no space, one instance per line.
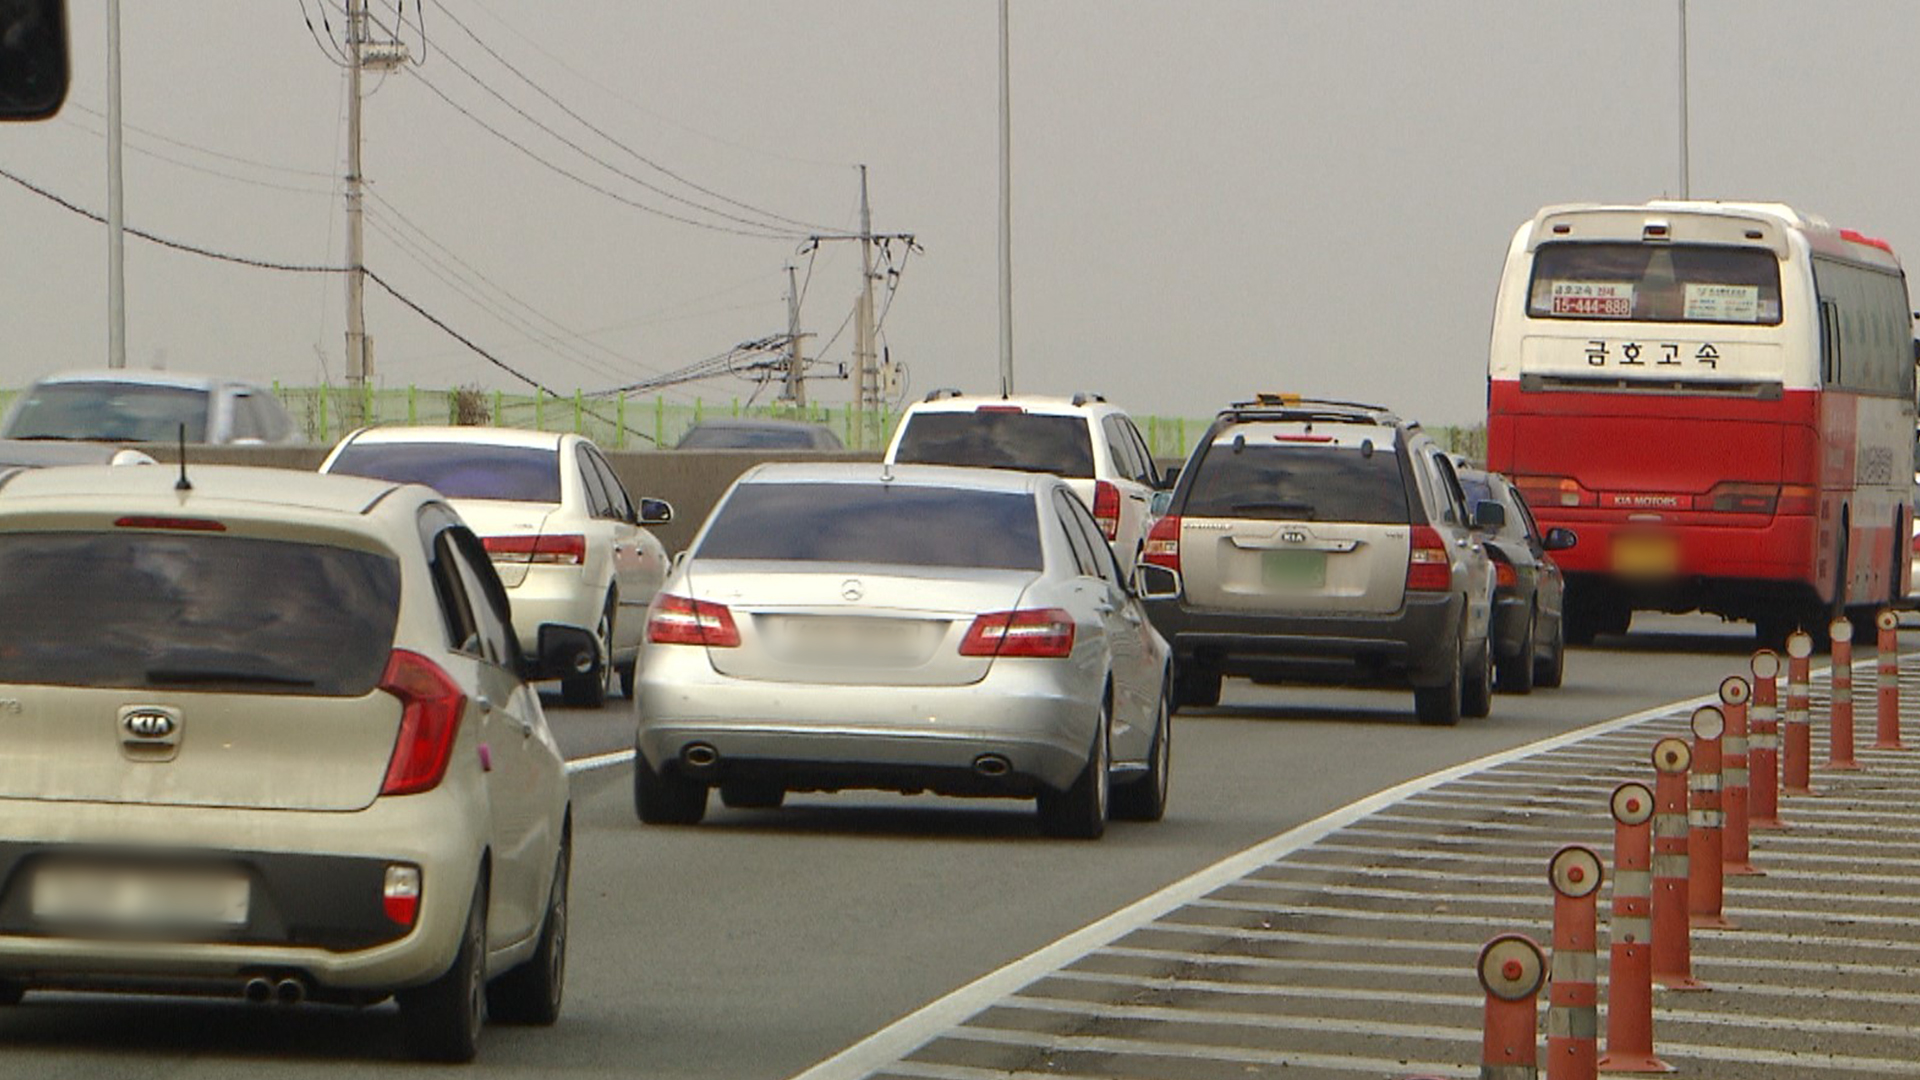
(258,991)
(700,756)
(289,991)
(992,765)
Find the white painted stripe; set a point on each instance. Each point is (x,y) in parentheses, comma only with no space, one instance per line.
(598,761)
(1239,1055)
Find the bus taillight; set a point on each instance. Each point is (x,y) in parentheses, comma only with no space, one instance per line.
(1554,491)
(1734,497)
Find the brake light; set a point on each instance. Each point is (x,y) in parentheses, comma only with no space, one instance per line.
(1000,409)
(1798,499)
(1106,508)
(138,521)
(1735,498)
(400,893)
(430,707)
(1544,491)
(564,550)
(677,620)
(1428,567)
(1303,438)
(1163,543)
(1040,632)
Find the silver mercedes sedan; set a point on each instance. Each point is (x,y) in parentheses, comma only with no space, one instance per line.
(907,628)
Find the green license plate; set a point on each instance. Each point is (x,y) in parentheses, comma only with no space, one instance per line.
(1293,570)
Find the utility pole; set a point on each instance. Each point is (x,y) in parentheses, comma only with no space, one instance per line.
(867,373)
(1686,181)
(116,208)
(1006,211)
(380,56)
(796,382)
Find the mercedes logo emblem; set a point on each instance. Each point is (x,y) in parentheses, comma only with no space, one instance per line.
(851,590)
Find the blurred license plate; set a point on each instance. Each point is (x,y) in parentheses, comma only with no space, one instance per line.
(139,896)
(1645,556)
(864,640)
(1293,569)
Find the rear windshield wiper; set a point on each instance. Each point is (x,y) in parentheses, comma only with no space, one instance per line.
(183,676)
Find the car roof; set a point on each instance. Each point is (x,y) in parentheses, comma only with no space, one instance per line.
(252,490)
(1304,435)
(954,476)
(177,379)
(44,453)
(1077,405)
(477,436)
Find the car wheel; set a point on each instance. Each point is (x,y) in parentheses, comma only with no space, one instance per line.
(531,993)
(1145,799)
(666,798)
(629,675)
(1080,812)
(11,992)
(590,690)
(1550,670)
(1196,686)
(752,794)
(1476,688)
(443,1018)
(1515,673)
(1440,705)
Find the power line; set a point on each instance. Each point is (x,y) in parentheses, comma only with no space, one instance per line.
(194,167)
(151,134)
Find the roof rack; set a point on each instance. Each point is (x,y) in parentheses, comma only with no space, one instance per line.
(1291,407)
(943,392)
(1084,397)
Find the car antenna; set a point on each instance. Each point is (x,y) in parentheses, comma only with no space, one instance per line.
(183,484)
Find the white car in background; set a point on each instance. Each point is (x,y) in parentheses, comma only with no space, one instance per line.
(566,539)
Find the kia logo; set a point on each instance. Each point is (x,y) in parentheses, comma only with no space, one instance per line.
(148,724)
(1294,536)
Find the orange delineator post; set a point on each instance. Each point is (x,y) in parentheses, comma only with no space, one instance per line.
(1630,957)
(1705,823)
(1840,703)
(1672,942)
(1796,725)
(1887,696)
(1512,970)
(1573,992)
(1736,857)
(1763,744)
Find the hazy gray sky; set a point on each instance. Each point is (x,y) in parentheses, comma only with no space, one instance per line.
(1211,197)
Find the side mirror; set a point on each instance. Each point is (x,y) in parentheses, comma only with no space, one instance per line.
(1559,539)
(33,58)
(564,651)
(1155,582)
(1162,501)
(1169,476)
(1489,515)
(655,511)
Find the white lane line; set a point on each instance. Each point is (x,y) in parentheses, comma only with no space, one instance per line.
(1184,1051)
(1778,880)
(1382,940)
(902,1037)
(598,761)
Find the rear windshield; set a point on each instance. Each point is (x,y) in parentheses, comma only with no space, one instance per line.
(1030,442)
(1695,283)
(136,610)
(746,438)
(895,524)
(109,411)
(459,470)
(1299,483)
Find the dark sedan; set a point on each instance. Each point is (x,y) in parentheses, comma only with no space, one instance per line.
(1530,639)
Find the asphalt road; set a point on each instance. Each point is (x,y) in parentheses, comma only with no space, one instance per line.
(759,943)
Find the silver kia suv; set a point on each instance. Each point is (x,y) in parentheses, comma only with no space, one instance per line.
(1330,543)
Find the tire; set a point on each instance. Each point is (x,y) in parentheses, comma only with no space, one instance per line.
(531,993)
(629,676)
(1580,624)
(1197,687)
(752,794)
(1476,689)
(666,798)
(444,1017)
(1550,671)
(1080,812)
(590,691)
(1516,673)
(11,992)
(1440,705)
(1145,799)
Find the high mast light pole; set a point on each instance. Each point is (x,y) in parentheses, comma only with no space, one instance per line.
(1006,214)
(116,203)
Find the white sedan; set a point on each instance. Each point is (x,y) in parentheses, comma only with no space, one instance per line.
(565,538)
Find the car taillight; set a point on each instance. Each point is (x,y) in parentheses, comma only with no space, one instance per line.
(1106,508)
(177,524)
(1163,543)
(565,550)
(1041,632)
(400,893)
(677,620)
(1554,491)
(1798,499)
(1504,575)
(1428,568)
(430,707)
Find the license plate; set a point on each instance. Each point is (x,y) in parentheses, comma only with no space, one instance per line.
(864,641)
(136,897)
(1293,570)
(1645,556)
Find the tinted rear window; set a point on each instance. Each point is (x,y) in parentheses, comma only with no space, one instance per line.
(744,438)
(1299,483)
(460,470)
(142,610)
(896,524)
(1030,442)
(109,411)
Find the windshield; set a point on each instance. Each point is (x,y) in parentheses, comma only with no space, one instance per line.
(746,438)
(895,524)
(109,412)
(1302,483)
(989,438)
(459,470)
(138,610)
(1693,283)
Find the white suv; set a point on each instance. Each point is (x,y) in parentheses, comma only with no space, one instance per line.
(1092,445)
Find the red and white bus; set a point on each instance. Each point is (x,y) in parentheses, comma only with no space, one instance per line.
(1718,399)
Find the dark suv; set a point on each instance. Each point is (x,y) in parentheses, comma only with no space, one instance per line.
(1326,543)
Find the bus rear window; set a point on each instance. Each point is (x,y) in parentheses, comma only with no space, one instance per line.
(1671,283)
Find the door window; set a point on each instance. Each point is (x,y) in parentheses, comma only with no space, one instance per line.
(599,504)
(618,502)
(1064,503)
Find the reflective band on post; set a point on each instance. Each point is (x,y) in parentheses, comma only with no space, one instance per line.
(1574,966)
(1736,778)
(1630,928)
(1669,866)
(1706,819)
(1669,826)
(1572,1022)
(1763,740)
(1703,782)
(1632,883)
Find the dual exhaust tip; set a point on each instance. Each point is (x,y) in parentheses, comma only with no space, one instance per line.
(284,991)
